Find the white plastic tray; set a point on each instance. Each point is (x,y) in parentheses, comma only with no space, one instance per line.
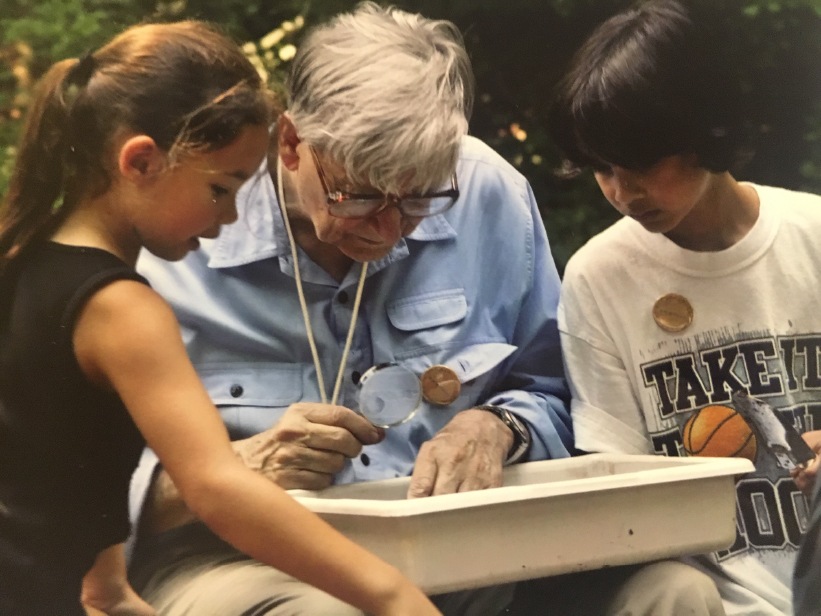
(550,517)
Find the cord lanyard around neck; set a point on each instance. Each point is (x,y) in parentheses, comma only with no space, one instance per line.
(305,316)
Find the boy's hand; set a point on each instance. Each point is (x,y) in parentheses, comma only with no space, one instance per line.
(805,477)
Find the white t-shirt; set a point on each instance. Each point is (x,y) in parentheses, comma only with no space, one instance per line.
(756,325)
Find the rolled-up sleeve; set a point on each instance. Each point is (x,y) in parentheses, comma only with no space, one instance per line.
(534,387)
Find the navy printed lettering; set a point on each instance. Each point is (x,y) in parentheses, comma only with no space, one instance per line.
(762,382)
(669,443)
(720,364)
(808,348)
(654,376)
(690,391)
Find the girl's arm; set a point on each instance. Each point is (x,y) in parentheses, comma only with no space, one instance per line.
(127,338)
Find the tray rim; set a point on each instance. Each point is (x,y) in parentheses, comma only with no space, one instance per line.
(666,470)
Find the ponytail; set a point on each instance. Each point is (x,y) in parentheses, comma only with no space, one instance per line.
(35,201)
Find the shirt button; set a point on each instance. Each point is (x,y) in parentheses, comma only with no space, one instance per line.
(236,391)
(355,376)
(365,459)
(342,298)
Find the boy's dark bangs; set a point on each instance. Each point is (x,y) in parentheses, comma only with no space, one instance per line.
(632,135)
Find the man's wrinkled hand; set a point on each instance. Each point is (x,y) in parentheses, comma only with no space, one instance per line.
(308,445)
(805,477)
(467,454)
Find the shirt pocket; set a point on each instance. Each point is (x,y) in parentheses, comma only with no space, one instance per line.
(252,396)
(428,310)
(428,322)
(252,384)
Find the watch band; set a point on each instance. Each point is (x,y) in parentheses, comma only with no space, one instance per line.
(521,433)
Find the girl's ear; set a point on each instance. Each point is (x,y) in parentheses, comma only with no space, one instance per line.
(140,158)
(287,142)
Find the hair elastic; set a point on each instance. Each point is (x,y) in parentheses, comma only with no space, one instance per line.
(81,72)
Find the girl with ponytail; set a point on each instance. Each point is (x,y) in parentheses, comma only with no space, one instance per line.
(141,144)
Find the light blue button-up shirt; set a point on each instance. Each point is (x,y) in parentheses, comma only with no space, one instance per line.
(474,288)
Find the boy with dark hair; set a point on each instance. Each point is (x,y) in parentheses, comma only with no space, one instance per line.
(700,290)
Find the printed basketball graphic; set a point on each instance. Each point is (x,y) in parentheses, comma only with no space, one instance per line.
(719,431)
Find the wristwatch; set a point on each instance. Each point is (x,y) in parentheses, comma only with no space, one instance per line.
(521,433)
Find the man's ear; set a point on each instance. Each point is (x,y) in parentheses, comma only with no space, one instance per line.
(140,158)
(287,142)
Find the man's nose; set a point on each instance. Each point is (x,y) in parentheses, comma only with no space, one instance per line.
(388,223)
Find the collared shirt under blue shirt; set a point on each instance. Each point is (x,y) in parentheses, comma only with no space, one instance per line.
(474,288)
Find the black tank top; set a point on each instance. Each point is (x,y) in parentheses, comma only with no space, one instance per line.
(67,447)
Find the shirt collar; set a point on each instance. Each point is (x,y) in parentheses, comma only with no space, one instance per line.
(259,232)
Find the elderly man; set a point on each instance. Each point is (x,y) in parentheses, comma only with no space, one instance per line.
(379,233)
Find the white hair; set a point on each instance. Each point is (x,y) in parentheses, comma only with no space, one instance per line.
(386,94)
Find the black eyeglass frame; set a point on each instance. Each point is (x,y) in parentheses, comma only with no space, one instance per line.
(337,198)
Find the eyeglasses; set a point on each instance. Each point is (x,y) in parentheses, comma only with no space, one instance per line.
(358,205)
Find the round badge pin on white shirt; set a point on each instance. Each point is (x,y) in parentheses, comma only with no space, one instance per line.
(673,312)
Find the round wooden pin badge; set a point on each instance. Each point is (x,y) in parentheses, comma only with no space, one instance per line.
(440,385)
(672,312)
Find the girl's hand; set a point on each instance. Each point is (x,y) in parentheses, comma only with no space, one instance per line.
(128,606)
(121,600)
(106,591)
(409,601)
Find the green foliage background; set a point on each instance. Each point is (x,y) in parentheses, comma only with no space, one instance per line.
(518,47)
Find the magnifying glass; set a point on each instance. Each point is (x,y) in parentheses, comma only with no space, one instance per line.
(389,395)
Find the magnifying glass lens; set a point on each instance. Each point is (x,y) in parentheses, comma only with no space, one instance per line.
(389,395)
